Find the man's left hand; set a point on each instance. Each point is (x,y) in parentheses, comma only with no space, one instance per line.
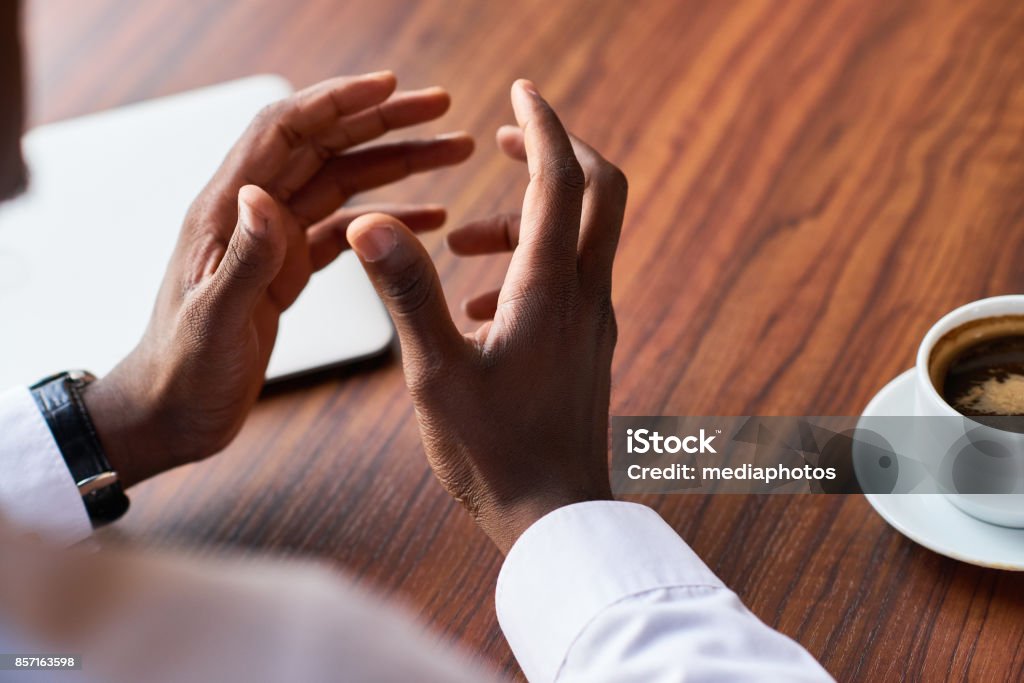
(268,219)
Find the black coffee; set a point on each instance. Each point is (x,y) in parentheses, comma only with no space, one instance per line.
(979,368)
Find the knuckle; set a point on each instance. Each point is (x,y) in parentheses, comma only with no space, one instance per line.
(409,289)
(528,318)
(240,266)
(270,114)
(610,178)
(616,180)
(564,172)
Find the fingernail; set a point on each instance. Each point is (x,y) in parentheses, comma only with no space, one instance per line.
(454,135)
(529,87)
(376,243)
(380,74)
(251,219)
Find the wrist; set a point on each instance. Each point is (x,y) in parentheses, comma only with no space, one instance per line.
(506,523)
(60,401)
(127,426)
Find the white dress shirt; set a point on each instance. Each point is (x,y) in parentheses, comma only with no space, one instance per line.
(599,591)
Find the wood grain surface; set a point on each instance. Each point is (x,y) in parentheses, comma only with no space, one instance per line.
(812,185)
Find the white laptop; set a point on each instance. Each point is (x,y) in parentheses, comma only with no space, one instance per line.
(82,253)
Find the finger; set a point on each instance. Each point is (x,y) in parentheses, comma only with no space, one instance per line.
(604,204)
(604,201)
(549,228)
(486,236)
(405,278)
(283,126)
(510,141)
(399,111)
(357,171)
(327,238)
(482,307)
(252,259)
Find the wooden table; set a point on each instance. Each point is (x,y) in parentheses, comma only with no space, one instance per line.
(812,185)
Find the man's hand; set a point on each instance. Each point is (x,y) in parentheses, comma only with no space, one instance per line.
(514,416)
(268,219)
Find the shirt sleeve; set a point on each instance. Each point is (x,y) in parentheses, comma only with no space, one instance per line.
(37,491)
(607,591)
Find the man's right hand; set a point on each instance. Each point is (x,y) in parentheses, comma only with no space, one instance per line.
(514,416)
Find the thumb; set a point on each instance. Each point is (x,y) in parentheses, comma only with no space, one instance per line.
(405,278)
(254,254)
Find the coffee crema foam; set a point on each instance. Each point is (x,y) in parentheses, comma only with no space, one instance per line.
(995,396)
(978,367)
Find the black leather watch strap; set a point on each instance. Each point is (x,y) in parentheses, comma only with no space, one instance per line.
(59,399)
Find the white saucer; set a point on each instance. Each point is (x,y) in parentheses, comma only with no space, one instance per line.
(929,518)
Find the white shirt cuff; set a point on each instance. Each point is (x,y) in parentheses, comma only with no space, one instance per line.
(574,563)
(37,491)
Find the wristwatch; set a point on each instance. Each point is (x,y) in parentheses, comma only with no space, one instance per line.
(59,398)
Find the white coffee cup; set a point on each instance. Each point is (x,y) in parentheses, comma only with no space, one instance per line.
(938,437)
